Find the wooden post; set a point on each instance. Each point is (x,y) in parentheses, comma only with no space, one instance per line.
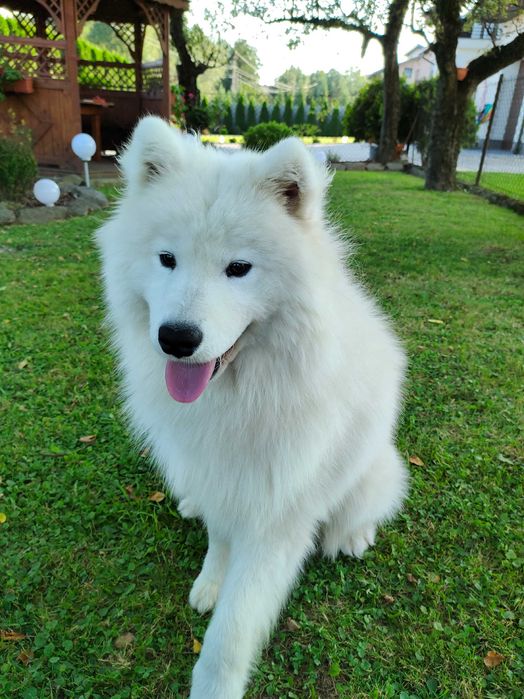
(71,67)
(137,55)
(40,15)
(166,87)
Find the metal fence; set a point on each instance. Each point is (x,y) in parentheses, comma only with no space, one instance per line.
(498,163)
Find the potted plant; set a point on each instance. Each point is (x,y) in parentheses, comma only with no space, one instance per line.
(12,80)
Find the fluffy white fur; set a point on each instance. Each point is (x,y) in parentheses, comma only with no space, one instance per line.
(294,437)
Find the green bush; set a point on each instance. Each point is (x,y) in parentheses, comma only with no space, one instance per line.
(263,117)
(300,114)
(306,130)
(240,115)
(197,118)
(251,117)
(334,125)
(17,164)
(263,136)
(312,114)
(276,112)
(363,118)
(288,112)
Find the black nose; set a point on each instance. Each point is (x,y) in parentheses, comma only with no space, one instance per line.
(179,340)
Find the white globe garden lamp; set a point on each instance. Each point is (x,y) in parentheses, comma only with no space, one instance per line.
(84,147)
(46,191)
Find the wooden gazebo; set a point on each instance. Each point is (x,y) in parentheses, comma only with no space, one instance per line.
(64,87)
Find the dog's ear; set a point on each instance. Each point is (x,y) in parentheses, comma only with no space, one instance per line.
(154,149)
(296,178)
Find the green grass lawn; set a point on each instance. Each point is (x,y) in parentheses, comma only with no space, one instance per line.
(509,183)
(86,557)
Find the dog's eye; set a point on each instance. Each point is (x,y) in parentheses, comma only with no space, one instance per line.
(238,269)
(167,259)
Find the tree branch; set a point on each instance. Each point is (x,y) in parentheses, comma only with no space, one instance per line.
(329,23)
(494,60)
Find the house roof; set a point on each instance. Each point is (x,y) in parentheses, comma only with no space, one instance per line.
(416,51)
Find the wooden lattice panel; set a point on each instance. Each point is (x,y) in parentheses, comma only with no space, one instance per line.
(51,30)
(156,18)
(126,33)
(104,75)
(26,23)
(152,79)
(36,61)
(84,9)
(54,8)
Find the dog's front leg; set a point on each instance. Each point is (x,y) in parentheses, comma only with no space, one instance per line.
(258,579)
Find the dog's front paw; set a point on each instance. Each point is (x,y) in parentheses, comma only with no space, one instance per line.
(360,541)
(187,508)
(204,594)
(216,680)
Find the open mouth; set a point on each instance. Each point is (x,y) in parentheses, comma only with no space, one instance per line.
(186,382)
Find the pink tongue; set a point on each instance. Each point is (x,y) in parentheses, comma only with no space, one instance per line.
(185,382)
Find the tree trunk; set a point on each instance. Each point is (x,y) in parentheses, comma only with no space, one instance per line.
(446,133)
(453,95)
(391,116)
(187,70)
(389,129)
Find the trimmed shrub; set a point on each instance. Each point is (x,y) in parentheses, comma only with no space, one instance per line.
(228,119)
(276,112)
(363,118)
(240,115)
(334,125)
(17,163)
(263,117)
(288,112)
(300,114)
(306,130)
(263,136)
(197,118)
(251,118)
(312,113)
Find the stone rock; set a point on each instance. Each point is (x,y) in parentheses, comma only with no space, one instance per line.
(375,167)
(41,214)
(395,166)
(93,196)
(73,180)
(67,187)
(416,170)
(7,215)
(361,166)
(80,207)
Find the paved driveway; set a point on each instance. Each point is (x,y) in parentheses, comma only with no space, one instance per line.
(469,158)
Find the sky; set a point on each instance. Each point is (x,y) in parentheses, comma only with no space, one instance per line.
(319,50)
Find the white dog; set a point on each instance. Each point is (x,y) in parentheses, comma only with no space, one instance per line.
(262,376)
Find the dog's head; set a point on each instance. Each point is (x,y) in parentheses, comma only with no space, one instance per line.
(205,245)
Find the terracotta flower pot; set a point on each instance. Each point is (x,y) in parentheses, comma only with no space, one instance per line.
(23,86)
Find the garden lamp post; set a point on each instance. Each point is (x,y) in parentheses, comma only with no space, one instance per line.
(46,191)
(84,147)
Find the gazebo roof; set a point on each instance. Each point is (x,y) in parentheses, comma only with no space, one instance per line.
(27,4)
(179,4)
